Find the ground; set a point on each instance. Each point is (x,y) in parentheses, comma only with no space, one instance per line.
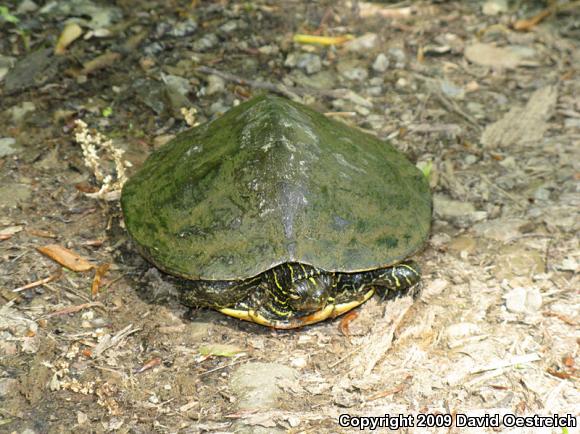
(482,95)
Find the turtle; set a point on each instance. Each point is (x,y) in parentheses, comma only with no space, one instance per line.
(277,214)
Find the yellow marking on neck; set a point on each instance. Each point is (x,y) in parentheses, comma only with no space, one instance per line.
(276,279)
(313,280)
(397,283)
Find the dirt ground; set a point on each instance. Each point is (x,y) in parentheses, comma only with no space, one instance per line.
(484,96)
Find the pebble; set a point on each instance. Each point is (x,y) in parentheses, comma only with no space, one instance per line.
(381,63)
(352,70)
(356,74)
(26,6)
(176,30)
(230,26)
(459,212)
(494,7)
(178,84)
(399,56)
(7,146)
(215,84)
(208,41)
(12,194)
(309,62)
(18,112)
(7,385)
(366,42)
(458,333)
(523,300)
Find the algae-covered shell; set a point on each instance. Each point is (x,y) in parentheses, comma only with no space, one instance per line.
(273,181)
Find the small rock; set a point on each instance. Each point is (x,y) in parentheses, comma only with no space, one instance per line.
(309,62)
(256,384)
(232,25)
(269,50)
(178,84)
(291,60)
(20,111)
(570,263)
(460,213)
(457,333)
(374,90)
(496,57)
(176,30)
(381,63)
(215,84)
(207,42)
(7,146)
(399,56)
(321,80)
(299,362)
(7,386)
(154,48)
(352,70)
(26,6)
(450,90)
(568,122)
(356,74)
(523,300)
(11,194)
(494,7)
(366,42)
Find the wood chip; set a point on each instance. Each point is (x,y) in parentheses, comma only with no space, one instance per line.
(100,62)
(523,125)
(490,55)
(7,233)
(65,257)
(101,270)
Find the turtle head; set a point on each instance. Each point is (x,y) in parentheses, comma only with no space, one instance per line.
(305,296)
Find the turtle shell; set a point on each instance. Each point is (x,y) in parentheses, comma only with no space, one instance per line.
(274,181)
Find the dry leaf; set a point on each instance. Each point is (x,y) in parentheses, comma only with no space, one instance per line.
(223,350)
(6,233)
(101,270)
(530,23)
(41,233)
(70,33)
(65,257)
(523,125)
(100,62)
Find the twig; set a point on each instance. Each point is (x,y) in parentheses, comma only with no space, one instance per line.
(74,309)
(290,92)
(224,366)
(499,364)
(112,341)
(342,359)
(39,282)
